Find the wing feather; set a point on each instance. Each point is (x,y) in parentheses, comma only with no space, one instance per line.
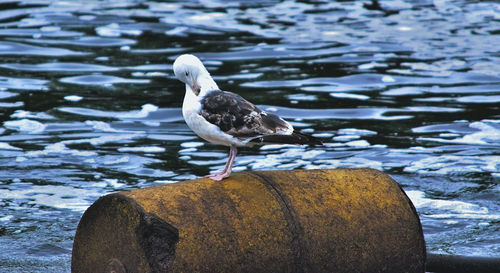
(240,118)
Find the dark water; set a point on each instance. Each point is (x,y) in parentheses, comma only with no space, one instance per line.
(89,105)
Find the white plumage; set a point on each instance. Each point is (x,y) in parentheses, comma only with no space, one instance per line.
(226,118)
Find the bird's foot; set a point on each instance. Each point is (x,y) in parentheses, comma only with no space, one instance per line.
(218,176)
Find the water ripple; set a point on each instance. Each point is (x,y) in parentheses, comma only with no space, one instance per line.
(12,48)
(89,105)
(103,80)
(59,67)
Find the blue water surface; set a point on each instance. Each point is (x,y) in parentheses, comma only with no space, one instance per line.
(89,106)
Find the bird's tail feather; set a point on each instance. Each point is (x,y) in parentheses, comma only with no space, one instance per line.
(294,138)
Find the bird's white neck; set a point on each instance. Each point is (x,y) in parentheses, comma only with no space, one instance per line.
(206,84)
(191,100)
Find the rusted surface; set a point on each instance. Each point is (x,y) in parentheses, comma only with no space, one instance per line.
(116,234)
(352,221)
(115,266)
(345,220)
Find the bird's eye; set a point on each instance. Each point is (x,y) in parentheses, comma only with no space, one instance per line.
(187,73)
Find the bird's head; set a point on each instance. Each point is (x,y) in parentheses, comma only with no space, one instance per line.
(189,69)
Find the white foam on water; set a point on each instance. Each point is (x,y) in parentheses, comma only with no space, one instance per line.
(211,154)
(192,144)
(293,165)
(387,79)
(151,123)
(118,160)
(25,126)
(310,154)
(176,31)
(349,96)
(214,164)
(7,146)
(269,162)
(105,139)
(296,155)
(6,218)
(433,109)
(403,91)
(298,152)
(56,196)
(417,150)
(303,97)
(22,114)
(479,99)
(350,162)
(73,98)
(354,131)
(142,149)
(305,130)
(86,17)
(146,109)
(50,28)
(268,147)
(436,208)
(370,65)
(345,138)
(102,80)
(405,28)
(101,126)
(358,143)
(187,150)
(5,94)
(59,148)
(488,133)
(21,159)
(454,164)
(207,16)
(323,135)
(449,135)
(144,112)
(114,183)
(114,30)
(140,74)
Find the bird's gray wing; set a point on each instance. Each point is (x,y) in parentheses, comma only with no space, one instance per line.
(240,118)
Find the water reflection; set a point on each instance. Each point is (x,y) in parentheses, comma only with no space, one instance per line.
(89,105)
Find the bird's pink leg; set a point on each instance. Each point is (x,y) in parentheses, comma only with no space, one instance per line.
(229,165)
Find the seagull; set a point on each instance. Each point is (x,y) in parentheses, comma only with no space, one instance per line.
(226,118)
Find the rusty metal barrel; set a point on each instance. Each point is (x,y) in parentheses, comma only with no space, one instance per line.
(339,220)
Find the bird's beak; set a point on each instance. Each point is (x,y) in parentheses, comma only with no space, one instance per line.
(196,88)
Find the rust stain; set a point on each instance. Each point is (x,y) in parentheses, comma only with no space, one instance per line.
(343,220)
